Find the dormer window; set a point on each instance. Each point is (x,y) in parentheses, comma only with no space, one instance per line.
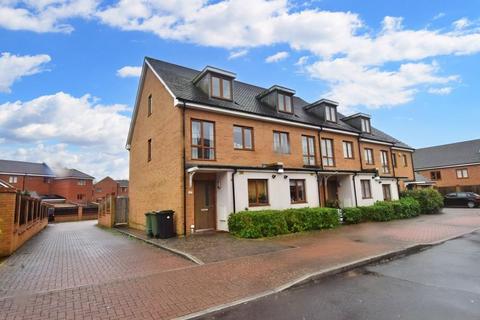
(331,114)
(284,103)
(365,125)
(221,88)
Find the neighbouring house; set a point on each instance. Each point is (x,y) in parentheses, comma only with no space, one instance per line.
(454,167)
(75,186)
(72,185)
(109,186)
(206,145)
(29,176)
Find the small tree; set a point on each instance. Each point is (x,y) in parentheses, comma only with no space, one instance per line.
(431,201)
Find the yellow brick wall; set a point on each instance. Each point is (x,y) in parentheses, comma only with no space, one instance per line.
(158,184)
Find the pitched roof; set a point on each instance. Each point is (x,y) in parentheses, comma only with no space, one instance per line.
(447,155)
(63,173)
(122,183)
(25,168)
(178,80)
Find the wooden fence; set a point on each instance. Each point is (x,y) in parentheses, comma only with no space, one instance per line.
(113,211)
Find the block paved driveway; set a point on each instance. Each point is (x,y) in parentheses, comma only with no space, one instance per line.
(78,271)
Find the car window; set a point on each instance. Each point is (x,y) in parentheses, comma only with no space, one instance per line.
(451,195)
(473,194)
(462,194)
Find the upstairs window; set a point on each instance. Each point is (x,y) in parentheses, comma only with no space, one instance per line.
(328,159)
(394,159)
(369,156)
(221,88)
(12,179)
(435,175)
(285,103)
(150,105)
(331,114)
(47,180)
(347,149)
(242,138)
(308,150)
(405,162)
(384,161)
(365,125)
(203,140)
(149,150)
(281,142)
(462,173)
(82,182)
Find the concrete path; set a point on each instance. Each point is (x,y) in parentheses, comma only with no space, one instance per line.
(441,283)
(79,271)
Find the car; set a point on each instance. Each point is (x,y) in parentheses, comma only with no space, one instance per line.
(462,199)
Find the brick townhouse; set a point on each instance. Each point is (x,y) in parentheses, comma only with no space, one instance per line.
(73,185)
(206,145)
(109,186)
(453,167)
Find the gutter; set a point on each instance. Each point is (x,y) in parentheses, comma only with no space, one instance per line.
(184,174)
(355,189)
(233,190)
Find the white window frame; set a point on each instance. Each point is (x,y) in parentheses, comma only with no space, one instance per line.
(331,114)
(462,173)
(12,179)
(365,125)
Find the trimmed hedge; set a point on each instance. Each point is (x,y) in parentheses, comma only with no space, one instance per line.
(383,211)
(431,201)
(268,223)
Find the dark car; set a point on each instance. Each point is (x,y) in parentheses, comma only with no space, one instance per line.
(462,199)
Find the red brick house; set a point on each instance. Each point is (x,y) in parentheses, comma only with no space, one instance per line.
(207,145)
(75,186)
(71,184)
(109,186)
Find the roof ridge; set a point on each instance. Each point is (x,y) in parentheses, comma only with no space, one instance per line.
(449,144)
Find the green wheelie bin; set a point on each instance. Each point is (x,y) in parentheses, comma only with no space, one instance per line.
(149,217)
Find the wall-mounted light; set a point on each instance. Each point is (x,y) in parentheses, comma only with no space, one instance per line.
(274,176)
(285,177)
(280,170)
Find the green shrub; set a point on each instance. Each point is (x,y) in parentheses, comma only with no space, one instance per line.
(267,223)
(430,200)
(353,215)
(257,224)
(410,207)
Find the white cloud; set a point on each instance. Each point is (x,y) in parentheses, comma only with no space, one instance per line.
(73,131)
(461,23)
(44,15)
(129,71)
(439,16)
(325,36)
(302,61)
(279,56)
(237,54)
(13,68)
(441,91)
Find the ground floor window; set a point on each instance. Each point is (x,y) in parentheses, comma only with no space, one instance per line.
(462,173)
(257,192)
(297,191)
(366,189)
(387,192)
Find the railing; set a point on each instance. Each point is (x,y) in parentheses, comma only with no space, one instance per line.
(28,211)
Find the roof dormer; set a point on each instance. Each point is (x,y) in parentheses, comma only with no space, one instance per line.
(278,97)
(360,121)
(325,109)
(216,83)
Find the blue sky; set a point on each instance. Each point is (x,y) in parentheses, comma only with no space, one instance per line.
(412,65)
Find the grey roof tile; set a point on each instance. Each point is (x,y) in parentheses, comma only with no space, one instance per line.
(179,80)
(447,154)
(29,168)
(63,173)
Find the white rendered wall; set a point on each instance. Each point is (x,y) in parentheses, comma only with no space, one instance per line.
(376,188)
(224,199)
(346,195)
(278,190)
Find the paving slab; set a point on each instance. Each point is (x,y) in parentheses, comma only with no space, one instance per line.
(150,283)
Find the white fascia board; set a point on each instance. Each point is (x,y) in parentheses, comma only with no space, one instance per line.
(248,115)
(339,131)
(18,174)
(403,149)
(376,142)
(448,166)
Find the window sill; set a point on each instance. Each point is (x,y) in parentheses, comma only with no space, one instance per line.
(258,205)
(299,202)
(243,149)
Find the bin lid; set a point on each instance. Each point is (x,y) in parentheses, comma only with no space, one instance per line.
(165,212)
